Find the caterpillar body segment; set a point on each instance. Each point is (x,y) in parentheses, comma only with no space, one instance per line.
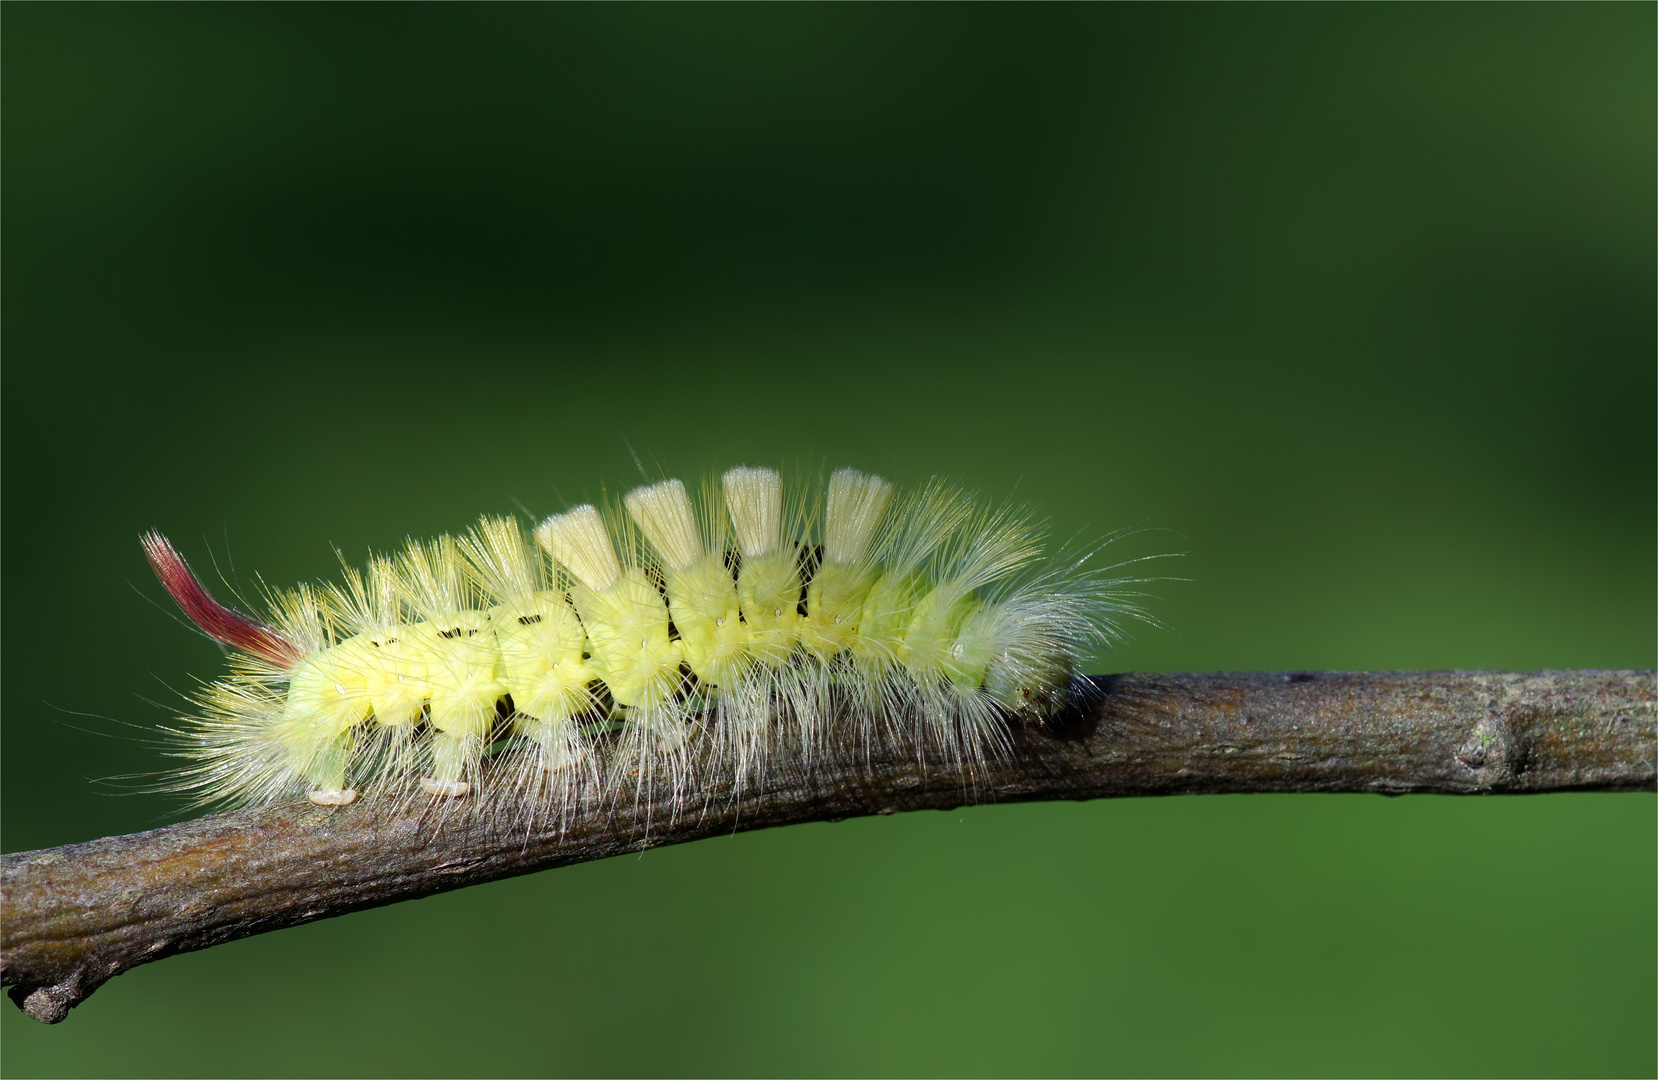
(706,637)
(544,658)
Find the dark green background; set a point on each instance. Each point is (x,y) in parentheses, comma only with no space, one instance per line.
(1355,301)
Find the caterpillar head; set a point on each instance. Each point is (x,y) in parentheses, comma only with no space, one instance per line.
(1029,646)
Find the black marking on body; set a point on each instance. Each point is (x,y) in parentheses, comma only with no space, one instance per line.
(810,559)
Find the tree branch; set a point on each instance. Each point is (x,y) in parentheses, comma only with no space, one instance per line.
(72,917)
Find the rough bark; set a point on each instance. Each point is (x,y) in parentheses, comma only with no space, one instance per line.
(77,915)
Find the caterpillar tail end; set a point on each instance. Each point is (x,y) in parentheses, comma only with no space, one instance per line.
(223,624)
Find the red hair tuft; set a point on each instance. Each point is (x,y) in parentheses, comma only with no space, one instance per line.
(221,623)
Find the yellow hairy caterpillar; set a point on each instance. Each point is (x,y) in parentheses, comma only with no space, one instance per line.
(730,629)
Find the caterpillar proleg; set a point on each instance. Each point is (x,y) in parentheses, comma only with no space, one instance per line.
(703,634)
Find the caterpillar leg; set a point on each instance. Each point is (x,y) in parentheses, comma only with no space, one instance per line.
(325,772)
(454,753)
(560,743)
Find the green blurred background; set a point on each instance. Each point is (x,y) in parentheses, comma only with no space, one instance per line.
(1357,302)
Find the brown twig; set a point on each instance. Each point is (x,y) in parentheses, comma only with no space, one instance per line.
(76,915)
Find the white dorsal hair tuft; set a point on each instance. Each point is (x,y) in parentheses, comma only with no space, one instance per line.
(754,498)
(384,592)
(578,541)
(507,565)
(857,503)
(663,513)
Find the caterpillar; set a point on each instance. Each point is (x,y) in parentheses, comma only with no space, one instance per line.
(686,633)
